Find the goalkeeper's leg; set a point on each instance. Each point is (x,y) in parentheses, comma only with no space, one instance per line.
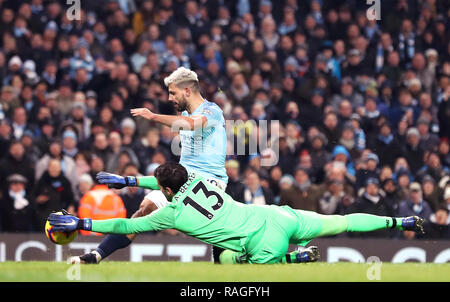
(114,242)
(358,222)
(317,225)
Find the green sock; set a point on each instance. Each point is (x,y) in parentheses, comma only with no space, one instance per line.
(368,223)
(290,258)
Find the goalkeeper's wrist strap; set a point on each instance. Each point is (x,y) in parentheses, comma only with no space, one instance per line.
(85,224)
(131,181)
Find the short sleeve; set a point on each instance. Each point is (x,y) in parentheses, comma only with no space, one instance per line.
(158,198)
(213,114)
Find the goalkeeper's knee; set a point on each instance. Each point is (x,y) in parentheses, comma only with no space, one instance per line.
(231,257)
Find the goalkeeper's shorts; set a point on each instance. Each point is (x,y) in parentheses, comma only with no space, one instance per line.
(285,226)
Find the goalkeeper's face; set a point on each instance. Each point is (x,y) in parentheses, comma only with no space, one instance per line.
(168,193)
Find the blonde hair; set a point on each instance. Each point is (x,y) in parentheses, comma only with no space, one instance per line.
(181,75)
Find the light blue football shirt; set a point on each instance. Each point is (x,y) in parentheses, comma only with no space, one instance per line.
(203,150)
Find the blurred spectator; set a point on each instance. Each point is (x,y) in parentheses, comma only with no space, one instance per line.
(52,192)
(274,182)
(431,192)
(386,145)
(369,170)
(446,196)
(319,156)
(443,150)
(31,149)
(69,143)
(302,195)
(84,186)
(67,164)
(433,167)
(116,158)
(392,196)
(412,151)
(253,192)
(335,200)
(415,205)
(131,196)
(428,141)
(235,187)
(340,154)
(16,161)
(439,226)
(148,145)
(16,205)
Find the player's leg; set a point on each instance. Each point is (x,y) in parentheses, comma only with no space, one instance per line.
(302,255)
(315,225)
(114,242)
(359,222)
(232,257)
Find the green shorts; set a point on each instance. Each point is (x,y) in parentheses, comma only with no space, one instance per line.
(283,226)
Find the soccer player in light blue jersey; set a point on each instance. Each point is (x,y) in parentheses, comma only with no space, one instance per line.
(201,127)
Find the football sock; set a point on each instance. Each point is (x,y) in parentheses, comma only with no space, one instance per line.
(291,257)
(337,224)
(367,222)
(112,243)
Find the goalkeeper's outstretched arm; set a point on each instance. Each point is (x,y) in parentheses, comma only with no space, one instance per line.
(119,182)
(158,220)
(122,226)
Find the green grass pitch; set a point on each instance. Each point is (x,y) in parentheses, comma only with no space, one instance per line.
(209,272)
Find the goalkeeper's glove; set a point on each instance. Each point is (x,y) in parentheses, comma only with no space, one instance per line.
(116,181)
(68,223)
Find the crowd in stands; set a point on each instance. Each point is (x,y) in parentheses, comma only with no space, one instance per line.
(363,105)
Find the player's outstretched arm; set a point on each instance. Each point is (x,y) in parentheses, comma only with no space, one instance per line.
(119,182)
(174,121)
(69,223)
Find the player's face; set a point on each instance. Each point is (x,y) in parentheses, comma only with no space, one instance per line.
(178,97)
(167,192)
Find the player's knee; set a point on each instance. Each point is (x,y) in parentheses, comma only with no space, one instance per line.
(146,207)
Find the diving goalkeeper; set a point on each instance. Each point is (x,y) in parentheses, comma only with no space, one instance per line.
(201,128)
(248,233)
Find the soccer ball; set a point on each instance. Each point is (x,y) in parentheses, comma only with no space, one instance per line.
(59,237)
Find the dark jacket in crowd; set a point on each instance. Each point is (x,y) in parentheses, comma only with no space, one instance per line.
(235,188)
(59,193)
(13,219)
(132,201)
(301,200)
(9,165)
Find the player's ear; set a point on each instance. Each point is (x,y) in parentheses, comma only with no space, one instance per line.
(169,190)
(187,91)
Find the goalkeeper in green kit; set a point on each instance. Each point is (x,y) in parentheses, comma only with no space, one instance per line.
(248,233)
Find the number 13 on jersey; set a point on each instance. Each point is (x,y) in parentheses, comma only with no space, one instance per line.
(208,193)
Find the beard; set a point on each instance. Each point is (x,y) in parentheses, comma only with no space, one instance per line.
(181,105)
